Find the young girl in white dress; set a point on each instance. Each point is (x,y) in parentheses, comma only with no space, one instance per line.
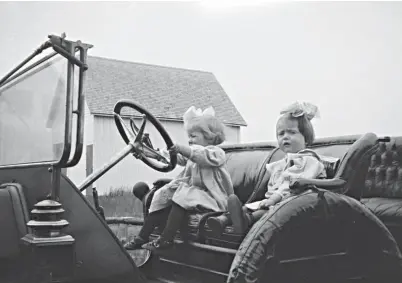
(294,132)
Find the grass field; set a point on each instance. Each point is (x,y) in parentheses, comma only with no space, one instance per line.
(121,203)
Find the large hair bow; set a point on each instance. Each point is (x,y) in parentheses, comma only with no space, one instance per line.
(298,109)
(193,112)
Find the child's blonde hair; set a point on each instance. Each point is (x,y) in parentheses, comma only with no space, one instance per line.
(212,129)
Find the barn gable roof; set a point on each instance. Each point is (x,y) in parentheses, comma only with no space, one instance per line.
(165,91)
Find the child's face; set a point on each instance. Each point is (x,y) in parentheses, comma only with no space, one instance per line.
(196,137)
(290,140)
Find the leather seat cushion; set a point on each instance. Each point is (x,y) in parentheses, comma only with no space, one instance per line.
(387,209)
(247,171)
(14,217)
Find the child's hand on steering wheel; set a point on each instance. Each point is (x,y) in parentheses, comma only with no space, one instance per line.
(181,149)
(174,149)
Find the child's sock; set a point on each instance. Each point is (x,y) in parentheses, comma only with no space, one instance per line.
(175,220)
(176,217)
(153,220)
(239,217)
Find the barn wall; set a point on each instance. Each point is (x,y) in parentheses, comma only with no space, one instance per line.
(107,142)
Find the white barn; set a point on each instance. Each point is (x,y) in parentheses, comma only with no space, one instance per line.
(164,91)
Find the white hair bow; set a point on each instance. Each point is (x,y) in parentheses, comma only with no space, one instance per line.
(298,109)
(193,112)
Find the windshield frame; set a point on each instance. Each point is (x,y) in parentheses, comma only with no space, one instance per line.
(76,54)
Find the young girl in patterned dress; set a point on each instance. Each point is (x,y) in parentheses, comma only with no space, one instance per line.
(203,185)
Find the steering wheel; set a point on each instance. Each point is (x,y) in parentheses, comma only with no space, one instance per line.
(142,145)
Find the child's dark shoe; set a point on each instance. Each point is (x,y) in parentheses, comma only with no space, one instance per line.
(237,214)
(218,224)
(135,244)
(158,245)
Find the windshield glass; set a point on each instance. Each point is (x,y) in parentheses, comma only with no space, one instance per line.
(32,115)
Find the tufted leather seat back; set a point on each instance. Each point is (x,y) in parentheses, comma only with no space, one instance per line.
(247,170)
(384,176)
(355,163)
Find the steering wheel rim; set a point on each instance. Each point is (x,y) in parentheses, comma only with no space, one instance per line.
(158,126)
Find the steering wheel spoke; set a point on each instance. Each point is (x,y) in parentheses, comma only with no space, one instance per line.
(145,139)
(134,126)
(132,135)
(152,153)
(141,130)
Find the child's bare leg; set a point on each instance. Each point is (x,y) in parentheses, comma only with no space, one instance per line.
(238,214)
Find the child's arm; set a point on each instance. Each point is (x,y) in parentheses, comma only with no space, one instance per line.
(181,160)
(212,156)
(184,150)
(306,167)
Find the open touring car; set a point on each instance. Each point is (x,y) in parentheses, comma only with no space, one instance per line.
(345,228)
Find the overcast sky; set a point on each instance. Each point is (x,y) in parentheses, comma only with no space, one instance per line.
(346,57)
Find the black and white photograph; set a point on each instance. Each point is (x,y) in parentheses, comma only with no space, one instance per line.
(209,141)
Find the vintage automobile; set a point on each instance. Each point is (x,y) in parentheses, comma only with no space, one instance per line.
(346,228)
(343,229)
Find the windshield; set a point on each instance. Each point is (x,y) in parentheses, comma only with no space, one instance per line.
(33,113)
